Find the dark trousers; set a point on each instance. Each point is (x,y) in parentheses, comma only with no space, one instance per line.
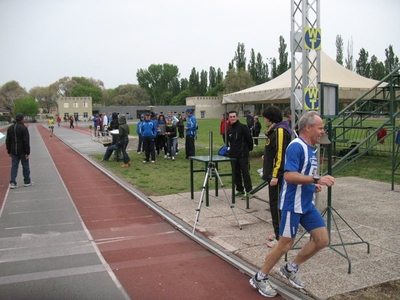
(140,147)
(242,170)
(15,159)
(189,146)
(274,192)
(160,144)
(148,144)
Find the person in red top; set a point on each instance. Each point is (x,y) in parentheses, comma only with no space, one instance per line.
(222,128)
(58,121)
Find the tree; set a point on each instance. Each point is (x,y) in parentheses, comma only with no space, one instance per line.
(220,76)
(181,98)
(262,70)
(240,57)
(9,93)
(339,49)
(203,82)
(237,80)
(283,57)
(274,70)
(362,65)
(251,67)
(194,83)
(129,94)
(215,91)
(64,86)
(349,59)
(212,78)
(377,68)
(46,97)
(157,80)
(391,61)
(28,106)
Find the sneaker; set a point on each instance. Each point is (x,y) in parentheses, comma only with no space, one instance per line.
(239,194)
(272,244)
(294,277)
(138,152)
(152,161)
(165,156)
(245,195)
(271,237)
(29,184)
(264,287)
(173,158)
(145,161)
(13,185)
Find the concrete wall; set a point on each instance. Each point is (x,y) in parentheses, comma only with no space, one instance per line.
(69,106)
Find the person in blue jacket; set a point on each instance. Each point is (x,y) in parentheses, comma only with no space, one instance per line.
(140,147)
(191,132)
(148,130)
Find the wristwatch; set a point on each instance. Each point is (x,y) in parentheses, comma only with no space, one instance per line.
(316,178)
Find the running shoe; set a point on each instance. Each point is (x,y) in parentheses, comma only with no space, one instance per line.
(239,194)
(294,277)
(264,287)
(272,244)
(29,184)
(13,185)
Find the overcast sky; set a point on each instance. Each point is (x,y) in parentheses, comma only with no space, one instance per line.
(42,41)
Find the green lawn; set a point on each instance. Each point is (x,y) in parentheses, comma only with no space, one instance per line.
(170,177)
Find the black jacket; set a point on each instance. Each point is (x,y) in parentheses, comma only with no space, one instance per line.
(17,140)
(240,140)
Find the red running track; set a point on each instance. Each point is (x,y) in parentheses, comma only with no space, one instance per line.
(150,258)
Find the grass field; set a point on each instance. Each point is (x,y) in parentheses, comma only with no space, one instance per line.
(170,177)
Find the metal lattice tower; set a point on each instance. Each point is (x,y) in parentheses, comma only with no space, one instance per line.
(305,38)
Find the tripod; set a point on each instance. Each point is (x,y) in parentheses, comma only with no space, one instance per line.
(212,171)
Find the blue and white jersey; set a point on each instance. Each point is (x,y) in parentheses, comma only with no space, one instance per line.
(300,157)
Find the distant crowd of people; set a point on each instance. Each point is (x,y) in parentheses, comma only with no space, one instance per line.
(158,134)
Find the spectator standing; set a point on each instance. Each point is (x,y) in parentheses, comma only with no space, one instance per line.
(279,136)
(160,140)
(257,129)
(59,121)
(170,133)
(148,130)
(18,147)
(301,182)
(140,147)
(105,121)
(71,122)
(96,127)
(76,117)
(191,132)
(181,126)
(250,122)
(240,144)
(223,127)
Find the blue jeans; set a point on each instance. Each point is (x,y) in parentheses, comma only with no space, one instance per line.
(171,148)
(15,159)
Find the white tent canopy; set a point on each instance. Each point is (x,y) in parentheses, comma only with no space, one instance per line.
(278,90)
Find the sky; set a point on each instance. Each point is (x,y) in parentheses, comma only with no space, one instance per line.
(42,41)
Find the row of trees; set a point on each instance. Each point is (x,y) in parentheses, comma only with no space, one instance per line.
(372,68)
(162,85)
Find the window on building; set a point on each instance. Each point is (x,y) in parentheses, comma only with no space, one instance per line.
(75,104)
(202,114)
(85,114)
(66,116)
(85,104)
(66,105)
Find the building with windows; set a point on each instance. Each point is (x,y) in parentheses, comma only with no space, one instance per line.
(80,107)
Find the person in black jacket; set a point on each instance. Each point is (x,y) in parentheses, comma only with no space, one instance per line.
(240,144)
(279,136)
(18,147)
